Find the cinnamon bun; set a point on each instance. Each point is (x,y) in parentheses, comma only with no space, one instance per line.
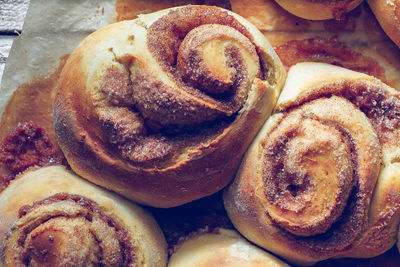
(322,178)
(51,217)
(161,109)
(221,247)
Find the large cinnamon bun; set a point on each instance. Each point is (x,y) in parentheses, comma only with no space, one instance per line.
(322,178)
(161,108)
(51,217)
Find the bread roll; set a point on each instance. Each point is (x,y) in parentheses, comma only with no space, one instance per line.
(51,217)
(221,248)
(161,109)
(322,178)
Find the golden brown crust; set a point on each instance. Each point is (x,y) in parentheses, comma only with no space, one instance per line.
(51,217)
(319,9)
(131,9)
(169,147)
(387,13)
(221,248)
(294,194)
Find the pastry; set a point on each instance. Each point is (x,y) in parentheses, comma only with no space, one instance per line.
(51,217)
(319,9)
(354,43)
(221,248)
(388,14)
(161,109)
(322,178)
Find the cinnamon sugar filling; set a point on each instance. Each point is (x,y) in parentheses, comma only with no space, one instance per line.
(331,51)
(308,177)
(319,172)
(150,122)
(68,230)
(381,107)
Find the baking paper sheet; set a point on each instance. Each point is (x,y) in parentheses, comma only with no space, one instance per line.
(54,28)
(51,30)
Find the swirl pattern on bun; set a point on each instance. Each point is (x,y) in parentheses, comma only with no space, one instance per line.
(51,217)
(161,109)
(321,179)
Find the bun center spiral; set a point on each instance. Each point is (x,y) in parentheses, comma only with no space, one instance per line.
(205,64)
(67,230)
(313,160)
(320,179)
(313,175)
(210,58)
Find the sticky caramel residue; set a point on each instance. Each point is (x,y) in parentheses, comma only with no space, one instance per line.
(27,136)
(33,101)
(328,50)
(25,147)
(347,24)
(339,7)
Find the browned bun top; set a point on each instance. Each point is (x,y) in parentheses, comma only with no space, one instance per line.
(317,181)
(51,217)
(62,240)
(206,94)
(157,104)
(222,247)
(319,9)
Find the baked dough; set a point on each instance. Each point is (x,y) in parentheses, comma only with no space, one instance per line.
(222,248)
(322,178)
(51,217)
(161,109)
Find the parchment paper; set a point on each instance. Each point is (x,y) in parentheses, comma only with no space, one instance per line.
(54,28)
(51,30)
